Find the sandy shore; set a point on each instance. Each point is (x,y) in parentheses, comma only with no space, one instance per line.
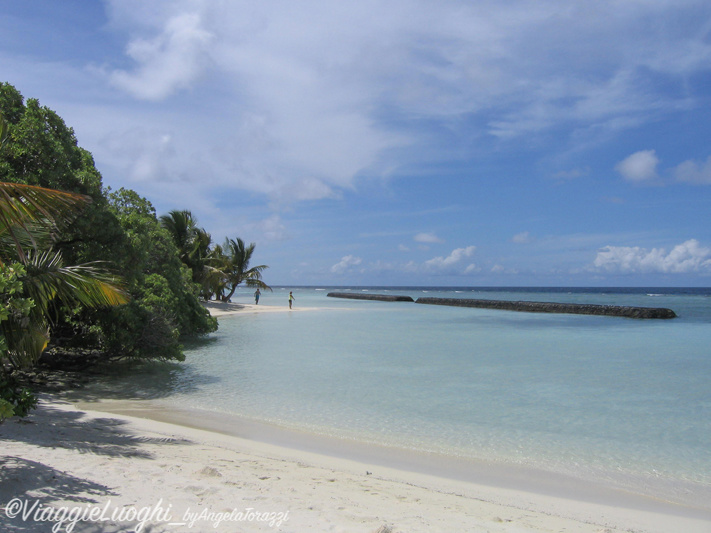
(138,474)
(223,308)
(219,309)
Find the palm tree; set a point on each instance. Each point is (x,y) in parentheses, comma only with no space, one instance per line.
(28,222)
(30,215)
(235,269)
(182,227)
(193,243)
(30,218)
(199,257)
(213,281)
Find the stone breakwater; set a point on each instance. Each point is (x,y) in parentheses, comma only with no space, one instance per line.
(529,307)
(551,307)
(365,296)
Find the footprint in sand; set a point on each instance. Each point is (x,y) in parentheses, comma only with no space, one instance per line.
(209,472)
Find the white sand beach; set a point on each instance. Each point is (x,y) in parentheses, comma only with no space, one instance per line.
(174,478)
(143,473)
(227,308)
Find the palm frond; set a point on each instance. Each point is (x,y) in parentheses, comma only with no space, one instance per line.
(32,236)
(89,284)
(26,341)
(4,129)
(21,206)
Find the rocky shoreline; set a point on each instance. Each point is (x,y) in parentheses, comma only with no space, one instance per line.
(528,307)
(366,296)
(552,307)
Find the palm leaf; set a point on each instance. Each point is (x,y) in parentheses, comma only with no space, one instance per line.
(4,128)
(89,284)
(33,235)
(22,206)
(26,341)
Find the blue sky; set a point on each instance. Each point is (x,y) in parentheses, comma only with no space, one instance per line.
(408,142)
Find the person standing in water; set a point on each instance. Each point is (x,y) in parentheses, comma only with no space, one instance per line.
(291,298)
(256,296)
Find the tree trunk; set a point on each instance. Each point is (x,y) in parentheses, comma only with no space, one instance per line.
(227,298)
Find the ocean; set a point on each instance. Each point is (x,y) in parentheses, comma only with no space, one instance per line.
(616,401)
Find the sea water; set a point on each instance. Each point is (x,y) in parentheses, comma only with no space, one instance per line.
(615,400)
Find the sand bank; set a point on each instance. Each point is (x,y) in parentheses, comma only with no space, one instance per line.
(224,308)
(170,477)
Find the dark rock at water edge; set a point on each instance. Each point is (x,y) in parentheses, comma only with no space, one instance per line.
(364,296)
(551,307)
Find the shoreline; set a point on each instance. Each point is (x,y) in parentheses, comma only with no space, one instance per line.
(495,475)
(223,309)
(199,467)
(218,309)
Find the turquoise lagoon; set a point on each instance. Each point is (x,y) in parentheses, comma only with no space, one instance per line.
(616,401)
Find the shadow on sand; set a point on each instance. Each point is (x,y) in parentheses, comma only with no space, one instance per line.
(47,486)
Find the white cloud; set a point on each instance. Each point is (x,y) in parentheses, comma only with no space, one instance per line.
(472,268)
(306,92)
(572,174)
(639,167)
(428,238)
(522,238)
(271,229)
(169,61)
(693,172)
(345,264)
(687,257)
(294,116)
(500,269)
(451,261)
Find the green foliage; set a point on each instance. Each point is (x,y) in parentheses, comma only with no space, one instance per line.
(160,259)
(29,217)
(7,409)
(12,304)
(164,305)
(118,229)
(15,400)
(219,270)
(41,150)
(193,245)
(18,333)
(13,307)
(233,264)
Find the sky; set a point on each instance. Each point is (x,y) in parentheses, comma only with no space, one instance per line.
(409,142)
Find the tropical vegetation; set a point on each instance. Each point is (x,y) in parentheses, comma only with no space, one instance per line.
(219,270)
(33,277)
(65,237)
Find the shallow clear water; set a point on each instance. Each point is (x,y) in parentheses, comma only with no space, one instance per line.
(602,398)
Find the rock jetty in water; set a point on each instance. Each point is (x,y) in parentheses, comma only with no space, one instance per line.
(550,307)
(367,296)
